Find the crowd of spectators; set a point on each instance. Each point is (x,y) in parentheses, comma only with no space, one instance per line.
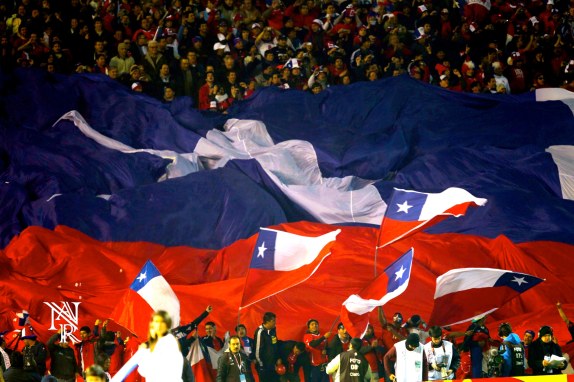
(219,51)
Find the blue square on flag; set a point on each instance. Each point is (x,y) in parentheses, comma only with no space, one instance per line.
(520,282)
(406,206)
(147,273)
(399,272)
(264,251)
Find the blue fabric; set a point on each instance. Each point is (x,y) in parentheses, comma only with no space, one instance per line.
(399,271)
(397,132)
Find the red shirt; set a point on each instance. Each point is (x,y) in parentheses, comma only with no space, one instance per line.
(316,352)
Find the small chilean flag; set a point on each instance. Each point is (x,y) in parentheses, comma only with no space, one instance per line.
(410,211)
(149,292)
(282,260)
(390,284)
(466,293)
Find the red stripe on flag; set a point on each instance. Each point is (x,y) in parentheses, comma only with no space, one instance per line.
(458,306)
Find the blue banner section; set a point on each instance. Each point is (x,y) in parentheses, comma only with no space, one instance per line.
(398,133)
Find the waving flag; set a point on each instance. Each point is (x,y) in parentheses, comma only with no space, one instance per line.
(199,365)
(149,292)
(390,284)
(282,260)
(464,294)
(410,211)
(23,318)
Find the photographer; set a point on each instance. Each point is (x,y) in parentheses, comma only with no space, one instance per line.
(442,357)
(512,352)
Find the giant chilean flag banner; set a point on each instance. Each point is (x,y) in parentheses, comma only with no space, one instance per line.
(96,180)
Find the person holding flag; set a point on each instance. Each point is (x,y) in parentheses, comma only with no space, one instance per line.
(315,343)
(512,352)
(390,284)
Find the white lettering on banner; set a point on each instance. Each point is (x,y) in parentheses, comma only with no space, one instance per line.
(66,317)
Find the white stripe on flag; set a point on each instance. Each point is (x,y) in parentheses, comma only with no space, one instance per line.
(437,204)
(294,251)
(159,295)
(460,279)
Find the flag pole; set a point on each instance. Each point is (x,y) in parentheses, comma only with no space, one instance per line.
(337,319)
(377,244)
(245,285)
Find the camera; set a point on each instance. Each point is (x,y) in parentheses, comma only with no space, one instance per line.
(494,363)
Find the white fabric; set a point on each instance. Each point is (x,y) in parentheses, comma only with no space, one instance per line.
(294,251)
(214,356)
(181,165)
(291,165)
(556,94)
(563,156)
(6,358)
(438,203)
(438,356)
(358,305)
(164,363)
(128,367)
(158,294)
(460,279)
(333,368)
(409,363)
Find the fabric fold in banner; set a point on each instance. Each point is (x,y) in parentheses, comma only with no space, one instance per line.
(393,282)
(149,292)
(466,293)
(409,211)
(282,260)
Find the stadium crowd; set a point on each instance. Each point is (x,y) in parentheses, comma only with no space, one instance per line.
(219,51)
(404,351)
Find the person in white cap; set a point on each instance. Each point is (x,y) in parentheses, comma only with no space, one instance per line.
(34,353)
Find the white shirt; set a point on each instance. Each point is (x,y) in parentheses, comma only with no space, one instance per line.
(164,363)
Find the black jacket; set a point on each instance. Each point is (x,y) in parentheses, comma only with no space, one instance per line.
(266,348)
(63,363)
(228,369)
(536,353)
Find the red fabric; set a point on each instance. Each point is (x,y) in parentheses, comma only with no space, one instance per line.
(86,353)
(117,359)
(50,265)
(133,313)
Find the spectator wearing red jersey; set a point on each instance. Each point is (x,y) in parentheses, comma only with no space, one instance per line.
(316,344)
